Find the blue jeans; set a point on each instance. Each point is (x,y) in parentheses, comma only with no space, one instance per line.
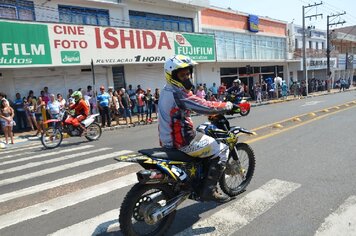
(149,111)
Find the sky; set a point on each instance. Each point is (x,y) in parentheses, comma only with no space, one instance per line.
(291,10)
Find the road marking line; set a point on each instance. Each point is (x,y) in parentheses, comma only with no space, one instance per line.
(21,149)
(46,154)
(311,103)
(58,168)
(288,119)
(59,182)
(22,153)
(34,164)
(241,212)
(341,222)
(294,126)
(71,199)
(104,223)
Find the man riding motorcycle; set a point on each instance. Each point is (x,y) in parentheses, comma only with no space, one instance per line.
(176,127)
(81,111)
(236,90)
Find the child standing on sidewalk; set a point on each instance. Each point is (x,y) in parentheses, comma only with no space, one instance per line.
(258,93)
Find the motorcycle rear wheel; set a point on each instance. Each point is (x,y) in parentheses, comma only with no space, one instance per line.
(51,138)
(231,182)
(93,132)
(131,216)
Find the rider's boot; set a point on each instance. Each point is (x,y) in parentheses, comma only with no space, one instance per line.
(210,190)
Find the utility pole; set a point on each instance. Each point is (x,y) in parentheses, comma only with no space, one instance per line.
(305,72)
(328,24)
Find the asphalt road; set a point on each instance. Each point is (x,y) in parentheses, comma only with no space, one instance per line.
(302,176)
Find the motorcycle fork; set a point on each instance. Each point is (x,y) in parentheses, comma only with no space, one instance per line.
(241,171)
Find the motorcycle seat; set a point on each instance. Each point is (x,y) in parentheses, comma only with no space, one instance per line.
(168,154)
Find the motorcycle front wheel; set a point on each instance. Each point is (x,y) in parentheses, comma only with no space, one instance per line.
(51,138)
(137,206)
(93,132)
(239,170)
(244,112)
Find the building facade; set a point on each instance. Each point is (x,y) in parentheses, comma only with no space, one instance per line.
(315,47)
(248,47)
(54,43)
(343,41)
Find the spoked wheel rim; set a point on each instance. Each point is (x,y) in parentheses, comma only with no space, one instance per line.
(51,138)
(145,205)
(93,131)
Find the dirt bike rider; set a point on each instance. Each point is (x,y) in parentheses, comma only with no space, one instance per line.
(236,90)
(81,111)
(176,127)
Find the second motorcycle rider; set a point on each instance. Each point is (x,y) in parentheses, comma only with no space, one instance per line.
(176,127)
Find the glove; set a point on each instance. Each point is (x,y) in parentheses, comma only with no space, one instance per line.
(229,105)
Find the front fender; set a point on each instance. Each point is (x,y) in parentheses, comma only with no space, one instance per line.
(51,121)
(245,106)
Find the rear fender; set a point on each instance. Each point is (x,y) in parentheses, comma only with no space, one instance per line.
(133,157)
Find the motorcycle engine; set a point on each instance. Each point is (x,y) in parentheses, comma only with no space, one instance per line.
(73,131)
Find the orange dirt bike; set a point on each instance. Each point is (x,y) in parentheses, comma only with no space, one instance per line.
(52,137)
(170,177)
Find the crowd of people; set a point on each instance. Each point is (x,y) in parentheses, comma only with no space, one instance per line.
(27,113)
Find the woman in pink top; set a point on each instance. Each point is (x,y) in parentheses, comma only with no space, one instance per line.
(200,92)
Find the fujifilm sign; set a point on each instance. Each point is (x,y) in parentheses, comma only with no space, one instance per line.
(22,49)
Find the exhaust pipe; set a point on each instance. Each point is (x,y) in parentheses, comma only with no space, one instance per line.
(169,208)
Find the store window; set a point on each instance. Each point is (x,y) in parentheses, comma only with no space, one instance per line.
(145,20)
(83,16)
(17,9)
(231,45)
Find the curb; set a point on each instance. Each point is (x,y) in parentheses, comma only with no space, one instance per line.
(302,97)
(117,127)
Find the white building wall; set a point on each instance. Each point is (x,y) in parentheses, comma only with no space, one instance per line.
(208,73)
(148,76)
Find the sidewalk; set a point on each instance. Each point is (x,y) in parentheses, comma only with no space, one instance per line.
(25,137)
(292,98)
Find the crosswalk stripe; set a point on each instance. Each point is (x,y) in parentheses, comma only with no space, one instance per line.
(55,152)
(34,164)
(240,213)
(20,149)
(14,155)
(104,223)
(341,222)
(59,168)
(4,157)
(59,182)
(71,199)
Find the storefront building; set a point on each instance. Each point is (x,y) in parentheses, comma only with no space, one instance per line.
(315,47)
(126,41)
(248,47)
(344,44)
